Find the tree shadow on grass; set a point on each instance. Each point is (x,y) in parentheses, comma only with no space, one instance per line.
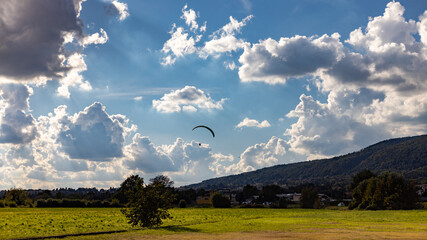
(177,228)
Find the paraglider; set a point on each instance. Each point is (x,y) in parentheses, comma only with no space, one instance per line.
(202,126)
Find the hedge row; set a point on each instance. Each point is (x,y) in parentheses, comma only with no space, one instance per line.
(75,203)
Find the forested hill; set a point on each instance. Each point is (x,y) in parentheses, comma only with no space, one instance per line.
(407,156)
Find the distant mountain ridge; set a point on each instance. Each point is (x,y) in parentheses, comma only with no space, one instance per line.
(407,156)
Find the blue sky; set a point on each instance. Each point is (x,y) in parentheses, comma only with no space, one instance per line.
(93,91)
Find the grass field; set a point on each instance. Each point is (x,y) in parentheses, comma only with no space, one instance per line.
(209,223)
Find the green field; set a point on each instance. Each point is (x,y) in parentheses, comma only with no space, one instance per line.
(210,223)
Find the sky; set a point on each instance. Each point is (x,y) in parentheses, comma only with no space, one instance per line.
(94,91)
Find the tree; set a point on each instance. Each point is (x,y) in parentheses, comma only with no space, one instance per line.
(128,188)
(249,191)
(361,176)
(220,201)
(19,196)
(148,204)
(309,197)
(386,191)
(269,192)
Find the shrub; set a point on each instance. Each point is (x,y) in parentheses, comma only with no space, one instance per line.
(94,203)
(182,203)
(53,202)
(73,203)
(1,203)
(252,206)
(12,204)
(29,202)
(115,203)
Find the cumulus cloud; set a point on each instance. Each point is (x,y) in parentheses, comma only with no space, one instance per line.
(148,158)
(188,99)
(253,123)
(183,161)
(73,77)
(323,131)
(118,8)
(17,126)
(35,35)
(273,62)
(375,89)
(261,155)
(93,134)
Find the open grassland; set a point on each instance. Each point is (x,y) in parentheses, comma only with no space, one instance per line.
(209,223)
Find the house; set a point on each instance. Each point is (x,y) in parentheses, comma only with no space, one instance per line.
(203,200)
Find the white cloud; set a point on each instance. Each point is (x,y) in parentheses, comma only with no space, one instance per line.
(184,162)
(138,98)
(375,93)
(179,45)
(119,8)
(47,161)
(146,157)
(387,31)
(190,17)
(184,41)
(73,77)
(187,99)
(253,123)
(17,125)
(224,40)
(230,65)
(93,134)
(324,130)
(261,155)
(273,62)
(95,38)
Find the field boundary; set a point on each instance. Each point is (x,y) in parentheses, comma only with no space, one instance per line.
(73,235)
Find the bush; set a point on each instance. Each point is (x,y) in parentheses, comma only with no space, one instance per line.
(12,204)
(95,203)
(73,203)
(220,201)
(182,203)
(252,206)
(115,203)
(29,202)
(1,203)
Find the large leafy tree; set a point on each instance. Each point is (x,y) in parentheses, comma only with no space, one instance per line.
(148,204)
(19,196)
(386,191)
(309,197)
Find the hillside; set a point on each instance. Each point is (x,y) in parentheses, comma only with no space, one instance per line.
(407,156)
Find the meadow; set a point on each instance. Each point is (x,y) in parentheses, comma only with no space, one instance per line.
(211,223)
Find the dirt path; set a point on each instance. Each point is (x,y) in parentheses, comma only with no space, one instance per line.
(315,235)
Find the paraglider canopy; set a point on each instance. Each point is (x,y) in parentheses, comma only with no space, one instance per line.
(202,126)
